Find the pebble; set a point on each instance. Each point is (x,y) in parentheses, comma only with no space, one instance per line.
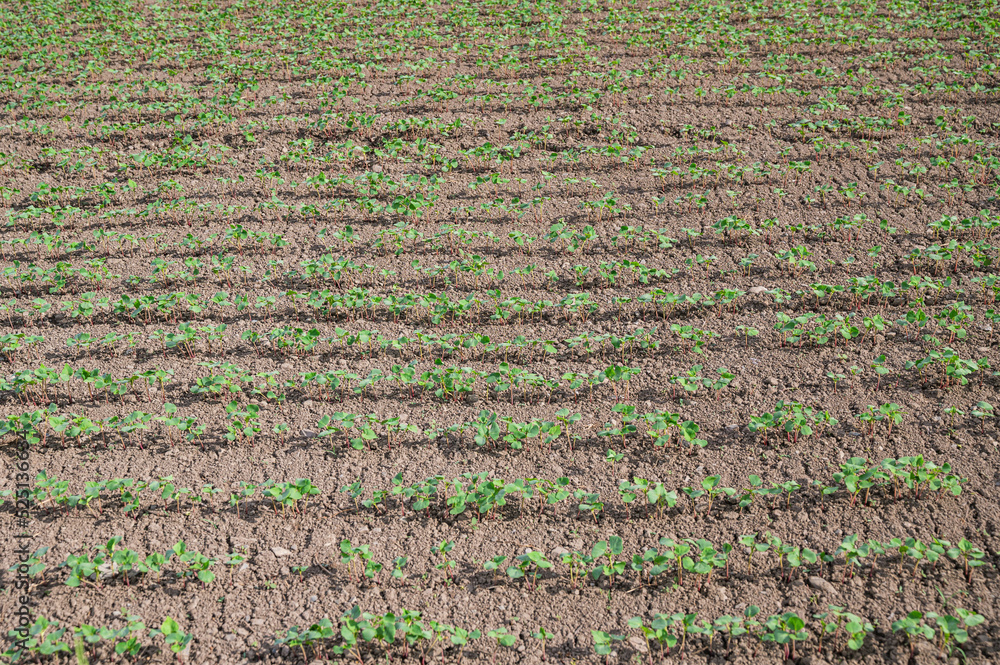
(771,381)
(823,585)
(280,551)
(755,290)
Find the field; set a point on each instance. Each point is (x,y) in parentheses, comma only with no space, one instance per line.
(590,331)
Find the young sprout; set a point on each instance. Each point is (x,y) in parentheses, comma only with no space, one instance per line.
(892,413)
(836,378)
(447,565)
(280,430)
(953,411)
(879,366)
(176,639)
(612,457)
(972,557)
(528,566)
(542,635)
(983,410)
(397,568)
(603,643)
(747,333)
(503,639)
(750,542)
(234,560)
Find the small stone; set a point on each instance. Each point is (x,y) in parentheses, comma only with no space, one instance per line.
(559,551)
(309,434)
(755,290)
(637,643)
(280,551)
(823,585)
(308,404)
(771,381)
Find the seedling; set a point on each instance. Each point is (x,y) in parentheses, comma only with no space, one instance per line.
(603,643)
(502,638)
(542,636)
(836,378)
(529,566)
(983,410)
(612,457)
(447,565)
(176,639)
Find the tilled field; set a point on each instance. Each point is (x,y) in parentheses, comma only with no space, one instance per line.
(500,332)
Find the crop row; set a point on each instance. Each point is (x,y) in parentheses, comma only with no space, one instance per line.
(360,304)
(486,496)
(663,428)
(675,562)
(473,271)
(46,641)
(407,633)
(456,239)
(289,341)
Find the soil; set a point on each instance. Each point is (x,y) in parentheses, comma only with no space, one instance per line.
(293,574)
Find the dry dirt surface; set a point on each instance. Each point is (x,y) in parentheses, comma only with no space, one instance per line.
(591,331)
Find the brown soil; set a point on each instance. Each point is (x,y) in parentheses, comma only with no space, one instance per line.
(237,617)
